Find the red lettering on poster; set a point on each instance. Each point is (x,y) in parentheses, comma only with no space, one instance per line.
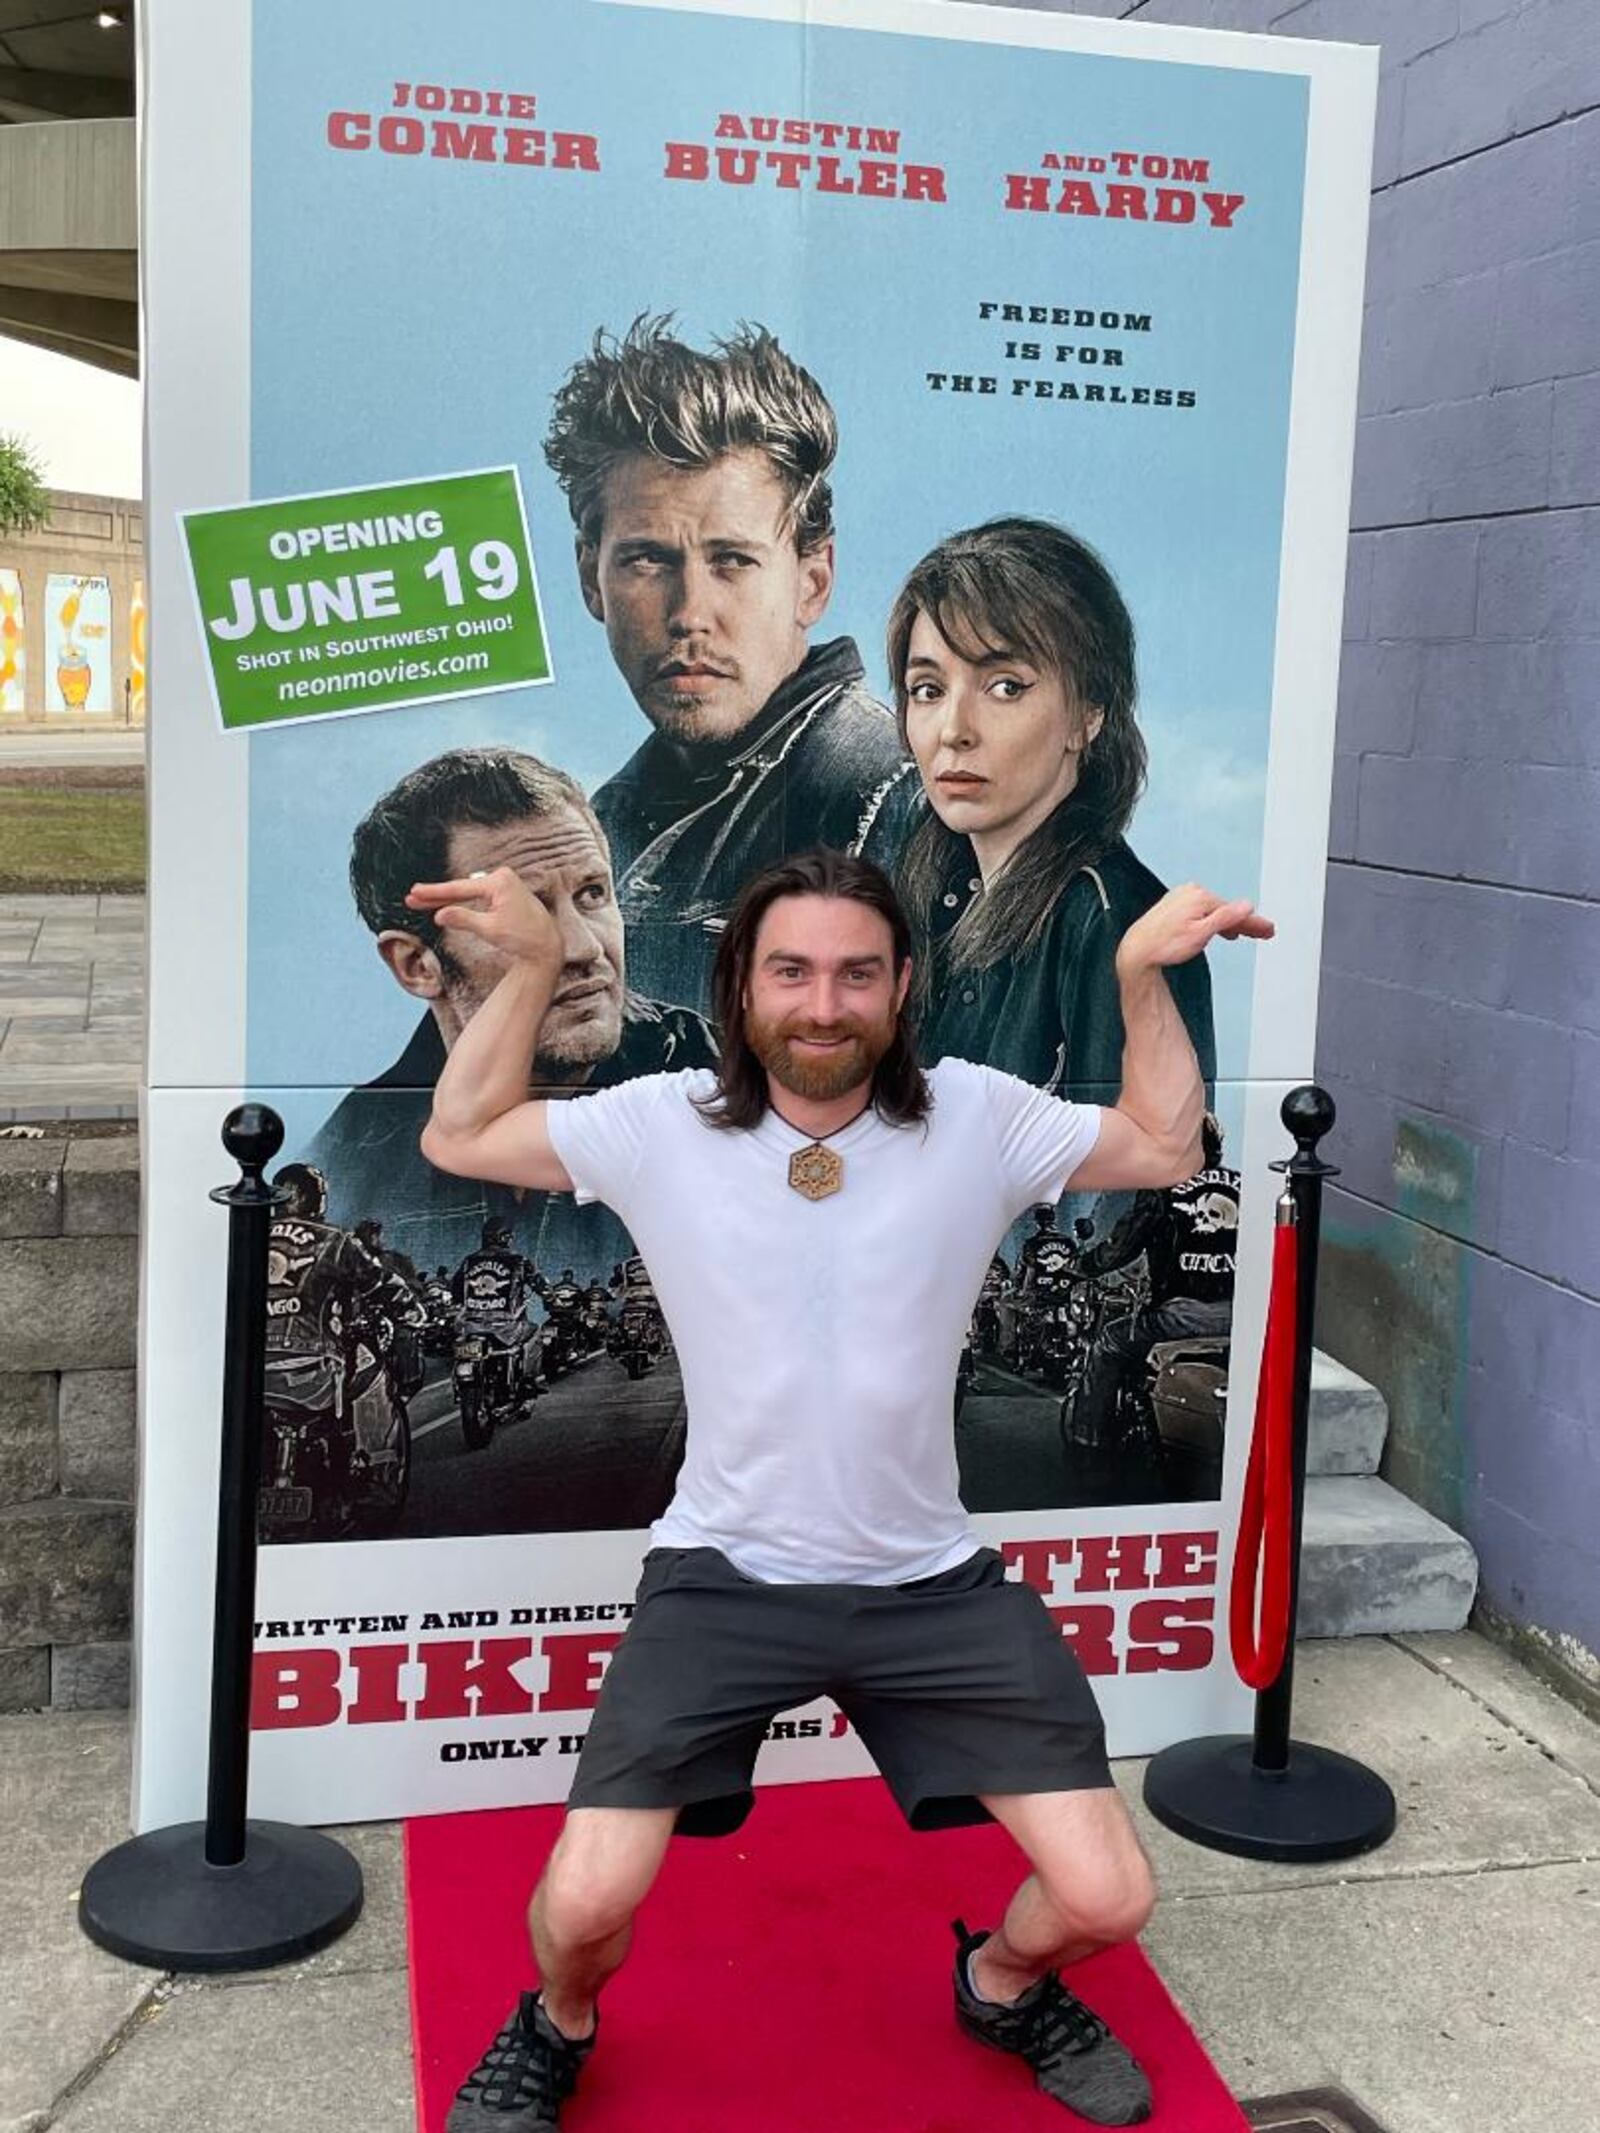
(576,1666)
(1171,1636)
(295,1688)
(465,1680)
(1092,1633)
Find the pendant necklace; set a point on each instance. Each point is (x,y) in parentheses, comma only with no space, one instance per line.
(816,1171)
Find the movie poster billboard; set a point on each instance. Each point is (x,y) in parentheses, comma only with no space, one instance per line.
(13,647)
(77,647)
(876,383)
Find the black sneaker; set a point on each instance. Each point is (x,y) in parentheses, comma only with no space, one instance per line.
(1075,2058)
(523,2079)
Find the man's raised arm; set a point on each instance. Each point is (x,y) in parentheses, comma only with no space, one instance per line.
(1151,1137)
(484,1125)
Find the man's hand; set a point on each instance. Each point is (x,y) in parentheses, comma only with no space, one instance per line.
(498,908)
(483,1125)
(1182,925)
(1151,1139)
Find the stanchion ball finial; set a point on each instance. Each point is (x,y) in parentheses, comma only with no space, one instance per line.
(252,1135)
(1308,1112)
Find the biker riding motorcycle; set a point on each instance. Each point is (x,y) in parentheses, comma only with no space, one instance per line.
(565,1315)
(1048,1257)
(638,1335)
(495,1280)
(597,1312)
(1049,1277)
(440,1307)
(492,1286)
(320,1279)
(321,1282)
(396,1313)
(1187,1235)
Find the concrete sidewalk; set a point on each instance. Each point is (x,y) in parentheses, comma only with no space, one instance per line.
(39,748)
(1450,1982)
(72,1002)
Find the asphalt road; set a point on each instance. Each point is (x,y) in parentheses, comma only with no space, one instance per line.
(598,1450)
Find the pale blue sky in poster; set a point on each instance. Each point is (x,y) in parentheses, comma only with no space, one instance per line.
(413,315)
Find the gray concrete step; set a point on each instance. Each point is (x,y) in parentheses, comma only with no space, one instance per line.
(1377,1564)
(1349,1420)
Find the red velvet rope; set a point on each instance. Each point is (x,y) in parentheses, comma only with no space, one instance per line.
(1266,1517)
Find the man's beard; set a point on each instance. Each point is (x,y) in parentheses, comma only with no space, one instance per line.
(693,723)
(819,1078)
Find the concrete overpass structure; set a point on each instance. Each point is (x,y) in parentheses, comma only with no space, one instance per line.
(69,260)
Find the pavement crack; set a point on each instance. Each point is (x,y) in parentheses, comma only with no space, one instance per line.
(307,1973)
(1501,1717)
(1408,1875)
(152,2003)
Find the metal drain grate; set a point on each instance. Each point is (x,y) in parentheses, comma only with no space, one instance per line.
(1309,2111)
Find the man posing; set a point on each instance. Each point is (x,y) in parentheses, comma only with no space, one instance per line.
(818,1215)
(470,810)
(698,485)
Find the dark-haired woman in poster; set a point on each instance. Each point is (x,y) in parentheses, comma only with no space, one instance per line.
(1011,654)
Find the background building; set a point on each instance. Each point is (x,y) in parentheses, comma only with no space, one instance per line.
(72,617)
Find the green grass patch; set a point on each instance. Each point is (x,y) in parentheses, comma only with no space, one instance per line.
(56,835)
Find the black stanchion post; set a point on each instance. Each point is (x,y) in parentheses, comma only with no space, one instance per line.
(1309,1115)
(1265,1795)
(228,1893)
(250,1205)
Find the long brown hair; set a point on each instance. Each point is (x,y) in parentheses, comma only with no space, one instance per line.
(900,1092)
(1029,588)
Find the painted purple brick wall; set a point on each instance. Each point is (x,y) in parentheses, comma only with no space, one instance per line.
(1461,959)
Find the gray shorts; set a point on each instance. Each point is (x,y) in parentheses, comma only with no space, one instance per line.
(958,1684)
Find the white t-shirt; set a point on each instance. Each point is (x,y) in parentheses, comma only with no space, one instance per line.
(819,1340)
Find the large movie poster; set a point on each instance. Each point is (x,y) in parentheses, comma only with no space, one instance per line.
(930,432)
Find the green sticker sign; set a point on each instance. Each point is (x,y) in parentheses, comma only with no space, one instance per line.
(366,599)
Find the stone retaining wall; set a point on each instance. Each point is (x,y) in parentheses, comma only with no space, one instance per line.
(69,1248)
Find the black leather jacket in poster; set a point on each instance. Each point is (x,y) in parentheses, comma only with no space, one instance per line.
(1053,1016)
(1187,1236)
(821,764)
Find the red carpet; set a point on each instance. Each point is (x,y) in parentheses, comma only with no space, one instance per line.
(792,1977)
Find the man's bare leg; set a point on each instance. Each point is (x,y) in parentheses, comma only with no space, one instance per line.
(1090,1887)
(581,1916)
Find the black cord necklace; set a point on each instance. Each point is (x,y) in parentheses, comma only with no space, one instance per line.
(816,1171)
